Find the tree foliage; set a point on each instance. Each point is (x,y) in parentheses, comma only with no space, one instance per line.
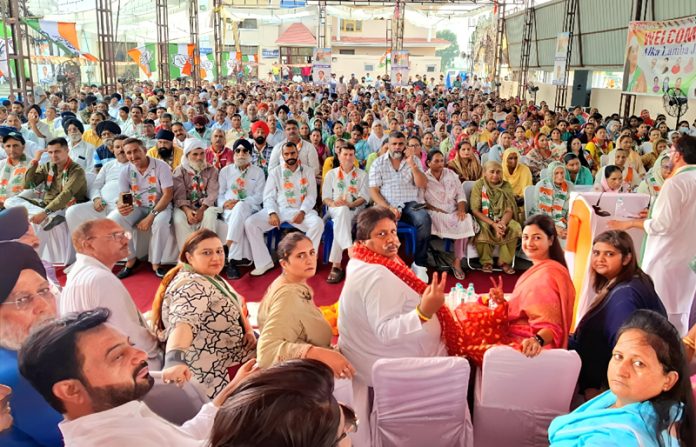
(448,54)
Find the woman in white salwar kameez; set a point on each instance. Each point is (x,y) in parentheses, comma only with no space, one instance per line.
(446,203)
(385,311)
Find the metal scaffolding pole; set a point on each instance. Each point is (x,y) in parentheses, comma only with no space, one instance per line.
(162,23)
(525,51)
(218,44)
(17,50)
(390,45)
(105,36)
(321,26)
(398,26)
(569,27)
(193,28)
(499,34)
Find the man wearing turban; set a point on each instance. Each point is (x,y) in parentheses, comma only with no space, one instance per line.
(81,152)
(166,150)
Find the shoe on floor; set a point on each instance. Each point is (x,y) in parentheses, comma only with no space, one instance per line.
(233,272)
(421,272)
(244,263)
(337,275)
(161,271)
(52,222)
(126,272)
(261,270)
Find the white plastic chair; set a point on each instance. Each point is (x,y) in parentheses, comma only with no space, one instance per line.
(421,402)
(176,405)
(530,200)
(517,397)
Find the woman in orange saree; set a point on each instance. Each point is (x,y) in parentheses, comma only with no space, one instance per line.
(539,312)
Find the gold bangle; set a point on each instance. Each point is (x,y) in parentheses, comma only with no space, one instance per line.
(421,315)
(689,342)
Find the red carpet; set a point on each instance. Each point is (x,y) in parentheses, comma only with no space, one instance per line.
(142,285)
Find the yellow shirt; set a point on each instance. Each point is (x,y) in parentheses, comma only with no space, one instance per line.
(91,137)
(178,154)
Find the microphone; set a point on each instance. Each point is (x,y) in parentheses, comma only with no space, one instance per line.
(598,210)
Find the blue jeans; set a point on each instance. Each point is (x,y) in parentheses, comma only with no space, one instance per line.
(421,220)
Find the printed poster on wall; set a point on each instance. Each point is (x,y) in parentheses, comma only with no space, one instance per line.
(399,68)
(560,58)
(321,65)
(661,55)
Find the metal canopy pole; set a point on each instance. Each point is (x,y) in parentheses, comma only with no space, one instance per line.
(499,34)
(17,50)
(529,23)
(105,36)
(569,27)
(162,42)
(390,46)
(217,39)
(398,26)
(321,26)
(193,29)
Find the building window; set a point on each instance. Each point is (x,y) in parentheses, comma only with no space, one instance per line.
(350,52)
(296,55)
(369,68)
(351,26)
(430,69)
(248,24)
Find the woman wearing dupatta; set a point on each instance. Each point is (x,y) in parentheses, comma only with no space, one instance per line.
(517,174)
(553,194)
(576,173)
(540,310)
(201,318)
(466,163)
(493,204)
(652,184)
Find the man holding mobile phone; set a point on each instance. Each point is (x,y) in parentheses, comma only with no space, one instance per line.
(146,191)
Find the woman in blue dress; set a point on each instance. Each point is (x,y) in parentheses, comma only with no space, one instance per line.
(649,403)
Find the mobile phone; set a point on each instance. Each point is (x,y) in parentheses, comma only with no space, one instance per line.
(418,206)
(127,198)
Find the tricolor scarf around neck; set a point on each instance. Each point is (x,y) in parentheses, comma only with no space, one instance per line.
(52,173)
(289,186)
(398,267)
(351,189)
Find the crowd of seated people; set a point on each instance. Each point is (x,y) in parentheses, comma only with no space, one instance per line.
(195,177)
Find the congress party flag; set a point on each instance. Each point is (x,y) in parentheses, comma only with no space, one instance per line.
(145,57)
(180,59)
(63,34)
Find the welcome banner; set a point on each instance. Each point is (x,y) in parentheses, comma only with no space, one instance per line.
(661,55)
(145,57)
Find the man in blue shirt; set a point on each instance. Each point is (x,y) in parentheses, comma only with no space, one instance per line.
(26,301)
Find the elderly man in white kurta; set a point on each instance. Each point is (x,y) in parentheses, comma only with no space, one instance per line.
(670,245)
(307,153)
(289,196)
(100,244)
(195,192)
(81,152)
(344,192)
(240,196)
(380,315)
(148,184)
(104,191)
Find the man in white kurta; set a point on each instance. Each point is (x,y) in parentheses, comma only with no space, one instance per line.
(103,192)
(81,152)
(307,152)
(240,196)
(289,196)
(670,245)
(91,284)
(344,192)
(150,182)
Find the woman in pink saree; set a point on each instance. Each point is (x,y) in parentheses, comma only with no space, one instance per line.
(537,316)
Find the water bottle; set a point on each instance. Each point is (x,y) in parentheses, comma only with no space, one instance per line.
(471,293)
(461,295)
(620,208)
(452,298)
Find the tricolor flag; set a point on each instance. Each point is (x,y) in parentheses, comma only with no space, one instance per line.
(180,59)
(145,57)
(63,34)
(386,58)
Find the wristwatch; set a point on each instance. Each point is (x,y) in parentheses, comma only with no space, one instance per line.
(154,212)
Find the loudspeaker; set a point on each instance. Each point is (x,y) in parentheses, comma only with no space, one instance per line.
(582,88)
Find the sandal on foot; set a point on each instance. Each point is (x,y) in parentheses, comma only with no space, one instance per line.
(335,276)
(507,269)
(459,274)
(488,268)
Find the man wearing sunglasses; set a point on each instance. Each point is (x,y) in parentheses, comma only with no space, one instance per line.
(240,196)
(100,244)
(26,302)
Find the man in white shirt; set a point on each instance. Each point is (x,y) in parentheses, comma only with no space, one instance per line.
(221,121)
(99,382)
(344,192)
(146,191)
(103,192)
(99,245)
(235,131)
(307,152)
(81,152)
(289,196)
(669,245)
(240,196)
(275,135)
